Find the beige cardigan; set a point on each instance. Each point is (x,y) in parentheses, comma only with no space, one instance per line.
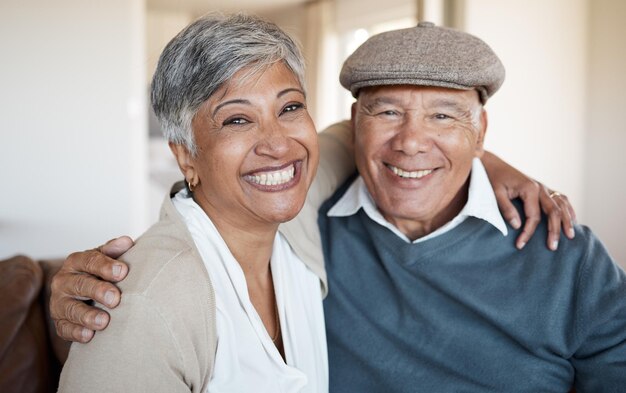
(162,337)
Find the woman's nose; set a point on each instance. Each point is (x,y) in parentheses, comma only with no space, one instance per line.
(274,141)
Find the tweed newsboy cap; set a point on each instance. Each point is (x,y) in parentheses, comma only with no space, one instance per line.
(425,55)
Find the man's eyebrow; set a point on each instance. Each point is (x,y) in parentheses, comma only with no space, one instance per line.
(230,102)
(382,101)
(450,104)
(373,103)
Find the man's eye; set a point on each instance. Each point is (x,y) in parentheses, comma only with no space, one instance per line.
(441,116)
(389,113)
(293,107)
(235,121)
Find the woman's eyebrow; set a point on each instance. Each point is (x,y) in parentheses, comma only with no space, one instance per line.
(283,92)
(229,102)
(247,102)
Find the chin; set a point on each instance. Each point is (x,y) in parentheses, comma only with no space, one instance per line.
(285,213)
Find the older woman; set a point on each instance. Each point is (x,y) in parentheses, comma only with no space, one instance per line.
(218,298)
(229,94)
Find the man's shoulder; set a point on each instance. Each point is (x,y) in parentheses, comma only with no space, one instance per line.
(581,253)
(334,198)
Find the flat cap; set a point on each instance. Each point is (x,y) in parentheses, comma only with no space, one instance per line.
(425,55)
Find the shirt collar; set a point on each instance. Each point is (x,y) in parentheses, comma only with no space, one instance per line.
(481,203)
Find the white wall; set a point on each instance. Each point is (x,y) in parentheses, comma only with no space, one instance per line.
(537,119)
(605,181)
(72,118)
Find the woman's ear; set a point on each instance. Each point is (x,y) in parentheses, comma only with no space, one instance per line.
(185,163)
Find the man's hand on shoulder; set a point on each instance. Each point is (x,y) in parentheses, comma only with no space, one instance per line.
(87,275)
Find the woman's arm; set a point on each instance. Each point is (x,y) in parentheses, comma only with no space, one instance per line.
(509,183)
(136,353)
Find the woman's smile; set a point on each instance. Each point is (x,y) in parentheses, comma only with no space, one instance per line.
(275,179)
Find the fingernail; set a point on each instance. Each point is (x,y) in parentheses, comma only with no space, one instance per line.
(117,270)
(109,296)
(515,223)
(571,233)
(86,333)
(521,245)
(554,245)
(100,319)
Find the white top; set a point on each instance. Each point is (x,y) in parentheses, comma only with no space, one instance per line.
(246,358)
(481,203)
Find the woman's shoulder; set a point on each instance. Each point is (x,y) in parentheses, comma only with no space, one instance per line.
(165,266)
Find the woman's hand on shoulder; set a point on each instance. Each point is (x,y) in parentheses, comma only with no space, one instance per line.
(508,183)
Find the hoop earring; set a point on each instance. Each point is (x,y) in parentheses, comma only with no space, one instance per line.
(190,186)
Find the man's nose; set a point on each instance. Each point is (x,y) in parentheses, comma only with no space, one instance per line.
(413,137)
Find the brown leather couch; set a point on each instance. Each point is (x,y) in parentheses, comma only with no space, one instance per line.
(31,354)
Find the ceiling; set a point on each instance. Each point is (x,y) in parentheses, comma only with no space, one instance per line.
(202,6)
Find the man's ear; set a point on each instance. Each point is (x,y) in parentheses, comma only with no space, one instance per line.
(482,130)
(352,121)
(185,162)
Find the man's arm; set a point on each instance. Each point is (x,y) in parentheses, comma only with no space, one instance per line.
(87,275)
(600,321)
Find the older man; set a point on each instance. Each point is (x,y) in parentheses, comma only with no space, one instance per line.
(427,291)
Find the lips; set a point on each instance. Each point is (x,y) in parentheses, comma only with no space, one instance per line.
(409,174)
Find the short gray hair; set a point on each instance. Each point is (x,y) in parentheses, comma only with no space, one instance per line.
(205,55)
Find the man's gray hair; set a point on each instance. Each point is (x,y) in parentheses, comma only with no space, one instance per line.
(205,55)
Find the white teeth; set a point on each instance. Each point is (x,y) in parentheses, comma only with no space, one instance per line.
(410,174)
(273,178)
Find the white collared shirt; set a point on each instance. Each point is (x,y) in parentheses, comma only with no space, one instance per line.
(246,359)
(481,203)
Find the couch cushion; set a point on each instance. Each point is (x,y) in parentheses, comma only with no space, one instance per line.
(24,348)
(60,347)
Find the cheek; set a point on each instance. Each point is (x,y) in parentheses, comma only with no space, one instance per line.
(310,142)
(459,142)
(221,159)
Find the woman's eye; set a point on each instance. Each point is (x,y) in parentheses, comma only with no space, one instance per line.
(235,121)
(293,107)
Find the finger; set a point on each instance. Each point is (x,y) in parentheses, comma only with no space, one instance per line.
(508,210)
(103,292)
(71,332)
(83,286)
(554,227)
(98,264)
(78,313)
(116,247)
(529,229)
(567,215)
(550,206)
(533,216)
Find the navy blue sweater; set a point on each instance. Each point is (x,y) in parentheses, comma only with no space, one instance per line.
(468,312)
